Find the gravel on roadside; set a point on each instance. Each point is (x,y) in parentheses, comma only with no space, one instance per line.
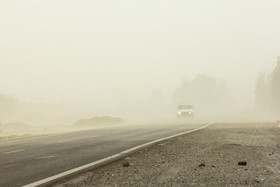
(220,155)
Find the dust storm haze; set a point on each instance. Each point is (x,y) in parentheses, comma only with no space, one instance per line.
(66,60)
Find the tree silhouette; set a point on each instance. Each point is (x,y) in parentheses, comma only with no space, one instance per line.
(275,88)
(263,92)
(267,91)
(203,91)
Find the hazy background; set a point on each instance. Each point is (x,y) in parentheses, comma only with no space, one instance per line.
(67,59)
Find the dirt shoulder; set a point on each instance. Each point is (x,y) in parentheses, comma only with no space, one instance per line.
(221,155)
(14,136)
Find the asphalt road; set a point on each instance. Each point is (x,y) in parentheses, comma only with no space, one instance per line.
(26,161)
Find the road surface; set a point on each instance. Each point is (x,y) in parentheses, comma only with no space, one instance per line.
(26,161)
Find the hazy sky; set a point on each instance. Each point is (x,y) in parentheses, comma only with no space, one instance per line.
(83,50)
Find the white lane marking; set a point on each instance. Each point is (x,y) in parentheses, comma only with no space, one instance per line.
(110,158)
(47,157)
(14,151)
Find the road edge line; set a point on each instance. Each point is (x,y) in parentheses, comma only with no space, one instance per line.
(79,169)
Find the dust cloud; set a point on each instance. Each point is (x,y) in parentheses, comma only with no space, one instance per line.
(68,60)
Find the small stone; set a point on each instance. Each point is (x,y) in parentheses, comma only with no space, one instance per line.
(126,164)
(242,163)
(202,165)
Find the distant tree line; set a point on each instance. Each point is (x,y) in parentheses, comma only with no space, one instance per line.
(267,90)
(203,91)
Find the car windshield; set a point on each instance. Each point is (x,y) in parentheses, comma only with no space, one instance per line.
(185,107)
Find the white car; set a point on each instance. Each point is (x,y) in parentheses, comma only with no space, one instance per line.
(185,110)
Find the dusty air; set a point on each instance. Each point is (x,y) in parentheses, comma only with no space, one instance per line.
(139,93)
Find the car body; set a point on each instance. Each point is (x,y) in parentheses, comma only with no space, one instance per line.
(185,111)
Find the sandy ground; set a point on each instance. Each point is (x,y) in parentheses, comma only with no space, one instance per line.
(11,136)
(19,134)
(221,155)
